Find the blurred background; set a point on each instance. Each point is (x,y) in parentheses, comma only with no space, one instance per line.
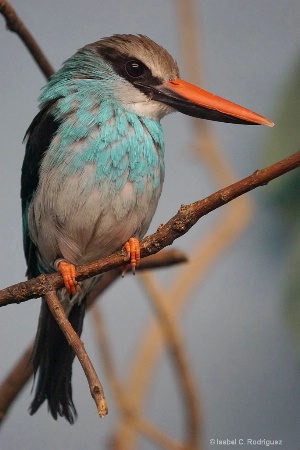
(237,303)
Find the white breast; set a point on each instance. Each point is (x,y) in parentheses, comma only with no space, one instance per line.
(67,220)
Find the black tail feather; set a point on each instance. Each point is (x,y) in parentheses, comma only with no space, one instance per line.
(52,359)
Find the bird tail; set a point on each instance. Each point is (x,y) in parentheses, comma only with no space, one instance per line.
(52,361)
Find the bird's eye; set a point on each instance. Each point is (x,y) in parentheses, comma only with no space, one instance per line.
(135,69)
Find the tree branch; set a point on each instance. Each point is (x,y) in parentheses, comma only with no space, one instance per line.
(15,24)
(18,376)
(77,345)
(165,235)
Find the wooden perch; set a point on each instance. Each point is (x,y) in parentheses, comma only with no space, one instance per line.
(165,235)
(178,225)
(18,376)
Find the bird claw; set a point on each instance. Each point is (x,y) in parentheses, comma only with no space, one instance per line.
(68,272)
(133,250)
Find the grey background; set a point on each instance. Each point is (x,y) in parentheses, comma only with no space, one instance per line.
(244,360)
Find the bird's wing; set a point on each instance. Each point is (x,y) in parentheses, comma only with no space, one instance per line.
(38,137)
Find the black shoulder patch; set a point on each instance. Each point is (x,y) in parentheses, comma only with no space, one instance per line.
(38,136)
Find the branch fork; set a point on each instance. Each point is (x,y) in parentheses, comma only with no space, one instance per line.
(178,225)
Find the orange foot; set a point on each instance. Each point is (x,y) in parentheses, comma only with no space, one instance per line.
(133,250)
(68,273)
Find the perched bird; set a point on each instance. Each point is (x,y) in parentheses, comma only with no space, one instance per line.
(92,176)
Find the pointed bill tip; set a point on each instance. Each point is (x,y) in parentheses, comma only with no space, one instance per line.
(261,120)
(269,123)
(197,102)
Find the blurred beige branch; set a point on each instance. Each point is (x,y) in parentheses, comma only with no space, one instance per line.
(226,230)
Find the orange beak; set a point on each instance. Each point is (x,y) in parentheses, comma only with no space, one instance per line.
(196,102)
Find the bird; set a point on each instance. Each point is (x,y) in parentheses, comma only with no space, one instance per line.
(92,176)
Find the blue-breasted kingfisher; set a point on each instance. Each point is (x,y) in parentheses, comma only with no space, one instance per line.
(92,176)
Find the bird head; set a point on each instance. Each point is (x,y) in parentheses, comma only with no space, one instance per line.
(143,78)
(154,88)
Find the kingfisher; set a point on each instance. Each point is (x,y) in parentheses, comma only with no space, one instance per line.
(92,176)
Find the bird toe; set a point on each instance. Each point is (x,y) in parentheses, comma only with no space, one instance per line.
(68,272)
(133,250)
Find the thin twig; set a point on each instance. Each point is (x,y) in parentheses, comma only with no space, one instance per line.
(18,376)
(15,24)
(76,343)
(165,235)
(188,215)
